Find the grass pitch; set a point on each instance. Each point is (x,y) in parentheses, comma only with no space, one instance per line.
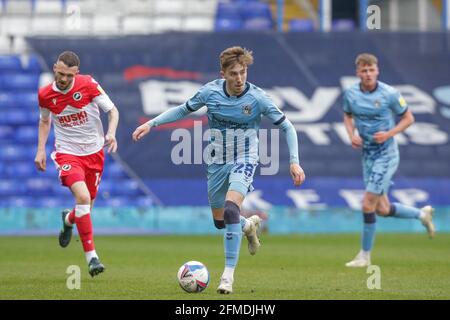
(286,267)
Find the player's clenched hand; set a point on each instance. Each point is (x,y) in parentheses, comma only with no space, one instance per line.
(381,136)
(111,142)
(40,160)
(356,142)
(297,173)
(141,131)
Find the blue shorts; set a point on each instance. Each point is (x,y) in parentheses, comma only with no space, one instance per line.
(378,170)
(230,176)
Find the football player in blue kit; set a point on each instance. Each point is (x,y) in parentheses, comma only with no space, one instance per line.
(370,107)
(234,110)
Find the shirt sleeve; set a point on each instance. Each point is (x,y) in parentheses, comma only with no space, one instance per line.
(99,96)
(346,103)
(398,104)
(104,102)
(44,113)
(198,100)
(270,110)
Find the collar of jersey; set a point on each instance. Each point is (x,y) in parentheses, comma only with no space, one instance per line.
(247,87)
(55,88)
(371,91)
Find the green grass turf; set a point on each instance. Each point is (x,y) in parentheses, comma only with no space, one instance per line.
(286,267)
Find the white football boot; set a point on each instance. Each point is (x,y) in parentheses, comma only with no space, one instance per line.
(225,286)
(252,235)
(427,220)
(361,260)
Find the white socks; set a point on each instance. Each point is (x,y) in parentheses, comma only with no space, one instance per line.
(90,255)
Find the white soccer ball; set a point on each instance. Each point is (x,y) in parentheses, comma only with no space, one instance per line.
(193,276)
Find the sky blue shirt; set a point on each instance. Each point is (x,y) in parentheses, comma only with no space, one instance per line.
(241,114)
(374,111)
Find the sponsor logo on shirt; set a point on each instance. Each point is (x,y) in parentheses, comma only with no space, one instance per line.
(73,120)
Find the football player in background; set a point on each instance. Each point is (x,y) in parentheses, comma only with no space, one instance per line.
(72,103)
(370,107)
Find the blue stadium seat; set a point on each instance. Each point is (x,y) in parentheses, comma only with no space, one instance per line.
(106,187)
(6,132)
(343,25)
(125,188)
(60,191)
(117,202)
(229,10)
(33,65)
(9,63)
(19,117)
(16,153)
(143,202)
(114,170)
(26,99)
(54,202)
(256,10)
(21,170)
(258,24)
(19,82)
(225,24)
(12,188)
(306,25)
(38,186)
(21,202)
(26,134)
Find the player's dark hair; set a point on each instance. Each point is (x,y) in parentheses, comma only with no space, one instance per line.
(69,58)
(235,55)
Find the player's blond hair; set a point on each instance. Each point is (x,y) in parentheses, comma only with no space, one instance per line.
(366,59)
(235,55)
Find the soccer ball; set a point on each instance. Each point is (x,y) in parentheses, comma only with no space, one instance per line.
(193,276)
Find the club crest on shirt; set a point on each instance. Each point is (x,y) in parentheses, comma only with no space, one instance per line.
(66,167)
(54,101)
(247,109)
(377,103)
(77,96)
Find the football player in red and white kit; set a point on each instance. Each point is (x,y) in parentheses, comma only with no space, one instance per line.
(72,103)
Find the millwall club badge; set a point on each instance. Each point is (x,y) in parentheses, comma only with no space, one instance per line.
(247,110)
(77,96)
(377,103)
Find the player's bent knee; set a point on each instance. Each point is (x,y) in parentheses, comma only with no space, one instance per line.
(232,213)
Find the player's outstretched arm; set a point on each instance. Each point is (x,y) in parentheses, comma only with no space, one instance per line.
(110,137)
(297,173)
(355,139)
(171,115)
(41,158)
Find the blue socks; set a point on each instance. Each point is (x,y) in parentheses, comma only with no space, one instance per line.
(368,235)
(233,235)
(401,211)
(232,244)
